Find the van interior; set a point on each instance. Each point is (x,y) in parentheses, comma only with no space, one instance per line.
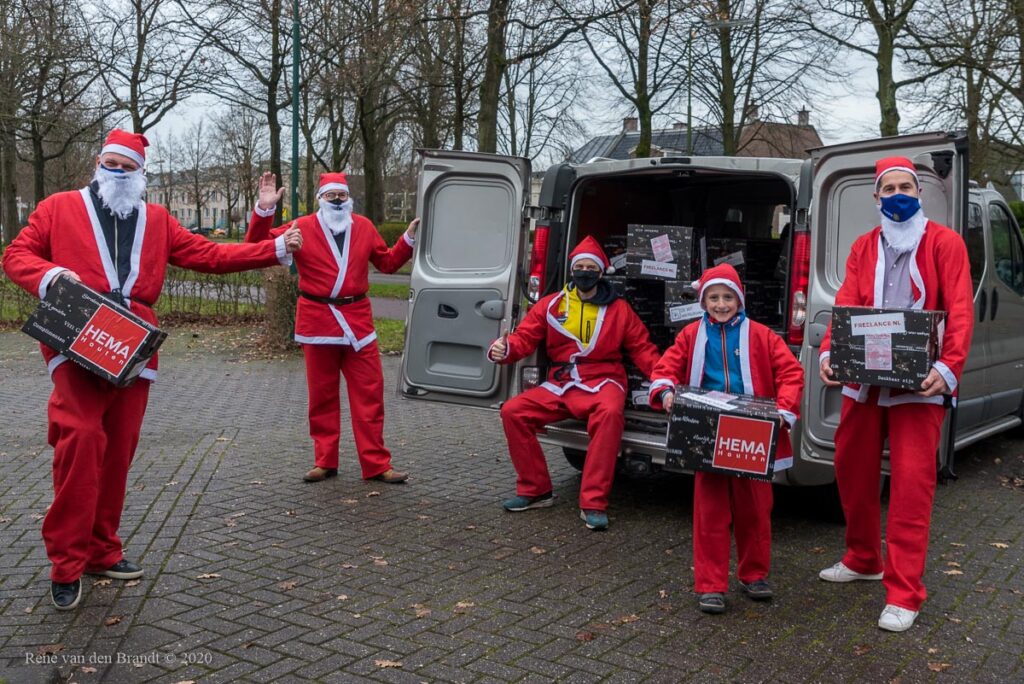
(727,212)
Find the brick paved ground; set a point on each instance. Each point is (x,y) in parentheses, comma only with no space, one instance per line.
(333,582)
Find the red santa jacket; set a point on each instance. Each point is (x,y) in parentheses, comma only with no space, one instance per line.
(327,271)
(64,233)
(768,367)
(940,275)
(574,364)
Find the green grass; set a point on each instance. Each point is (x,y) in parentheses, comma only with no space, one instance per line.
(390,335)
(388,291)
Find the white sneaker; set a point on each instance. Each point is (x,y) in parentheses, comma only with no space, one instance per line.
(896,619)
(840,573)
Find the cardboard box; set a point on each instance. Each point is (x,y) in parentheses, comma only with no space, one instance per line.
(615,249)
(722,433)
(659,252)
(764,299)
(753,258)
(637,388)
(681,305)
(885,347)
(94,332)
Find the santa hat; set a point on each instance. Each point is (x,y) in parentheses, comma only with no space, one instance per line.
(332,181)
(131,145)
(589,248)
(884,166)
(722,274)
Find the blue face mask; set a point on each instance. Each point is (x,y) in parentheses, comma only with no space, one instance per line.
(899,208)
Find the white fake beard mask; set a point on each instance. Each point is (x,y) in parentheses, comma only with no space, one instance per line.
(121,191)
(903,236)
(337,218)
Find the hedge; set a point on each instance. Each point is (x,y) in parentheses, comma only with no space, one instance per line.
(1017,207)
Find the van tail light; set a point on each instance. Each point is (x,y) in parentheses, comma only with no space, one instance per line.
(538,262)
(529,377)
(799,276)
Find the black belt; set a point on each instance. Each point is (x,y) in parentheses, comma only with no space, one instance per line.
(118,297)
(562,370)
(337,301)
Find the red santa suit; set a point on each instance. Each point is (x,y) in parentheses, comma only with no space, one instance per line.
(338,336)
(940,279)
(767,369)
(93,425)
(585,381)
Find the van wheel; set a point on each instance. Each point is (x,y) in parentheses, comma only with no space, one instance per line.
(575,457)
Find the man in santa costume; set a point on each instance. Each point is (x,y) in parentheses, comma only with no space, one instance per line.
(586,328)
(334,320)
(110,239)
(906,262)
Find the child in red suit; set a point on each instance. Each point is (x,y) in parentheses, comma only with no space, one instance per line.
(728,352)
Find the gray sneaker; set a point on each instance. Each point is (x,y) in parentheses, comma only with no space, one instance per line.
(525,503)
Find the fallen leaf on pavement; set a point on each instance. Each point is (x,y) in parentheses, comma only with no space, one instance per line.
(288,586)
(537,550)
(463,606)
(662,593)
(342,597)
(208,575)
(953,564)
(387,663)
(954,620)
(957,544)
(584,635)
(985,589)
(50,649)
(348,566)
(87,670)
(952,572)
(102,582)
(379,561)
(113,620)
(624,619)
(290,512)
(222,439)
(350,501)
(28,611)
(421,610)
(861,649)
(939,667)
(932,651)
(1000,545)
(375,493)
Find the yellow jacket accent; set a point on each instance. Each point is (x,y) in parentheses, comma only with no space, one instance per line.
(577,316)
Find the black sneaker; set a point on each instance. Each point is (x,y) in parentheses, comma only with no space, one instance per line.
(122,570)
(758,590)
(65,596)
(713,603)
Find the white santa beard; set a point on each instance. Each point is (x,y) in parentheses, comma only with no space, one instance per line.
(903,236)
(121,193)
(336,220)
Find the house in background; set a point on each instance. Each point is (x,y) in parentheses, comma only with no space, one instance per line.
(758,139)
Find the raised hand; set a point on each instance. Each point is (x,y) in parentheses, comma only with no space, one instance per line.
(499,348)
(413,225)
(269,194)
(293,239)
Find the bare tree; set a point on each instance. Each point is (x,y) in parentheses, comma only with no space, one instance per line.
(15,47)
(149,57)
(193,165)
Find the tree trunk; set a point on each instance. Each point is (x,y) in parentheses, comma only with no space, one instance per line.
(730,141)
(890,115)
(38,166)
(373,163)
(643,96)
(273,110)
(8,185)
(494,70)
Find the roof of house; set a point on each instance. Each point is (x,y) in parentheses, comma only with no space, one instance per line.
(758,139)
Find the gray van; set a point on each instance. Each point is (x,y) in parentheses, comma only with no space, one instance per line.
(484,254)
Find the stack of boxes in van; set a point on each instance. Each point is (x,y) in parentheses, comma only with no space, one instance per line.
(653,272)
(758,275)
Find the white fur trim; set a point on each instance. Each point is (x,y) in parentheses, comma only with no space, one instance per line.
(411,241)
(822,356)
(327,187)
(124,151)
(789,416)
(783,464)
(697,366)
(284,257)
(304,339)
(587,255)
(748,378)
(54,362)
(912,172)
(721,281)
(136,255)
(101,243)
(148,374)
(946,374)
(49,277)
(264,213)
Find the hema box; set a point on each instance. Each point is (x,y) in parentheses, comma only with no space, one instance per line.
(659,252)
(885,347)
(717,432)
(94,332)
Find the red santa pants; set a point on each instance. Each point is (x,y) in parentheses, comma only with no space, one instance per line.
(718,502)
(364,379)
(526,414)
(94,429)
(913,430)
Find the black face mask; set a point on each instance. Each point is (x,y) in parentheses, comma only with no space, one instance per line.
(585,280)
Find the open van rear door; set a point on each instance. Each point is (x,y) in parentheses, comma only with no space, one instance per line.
(465,276)
(842,209)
